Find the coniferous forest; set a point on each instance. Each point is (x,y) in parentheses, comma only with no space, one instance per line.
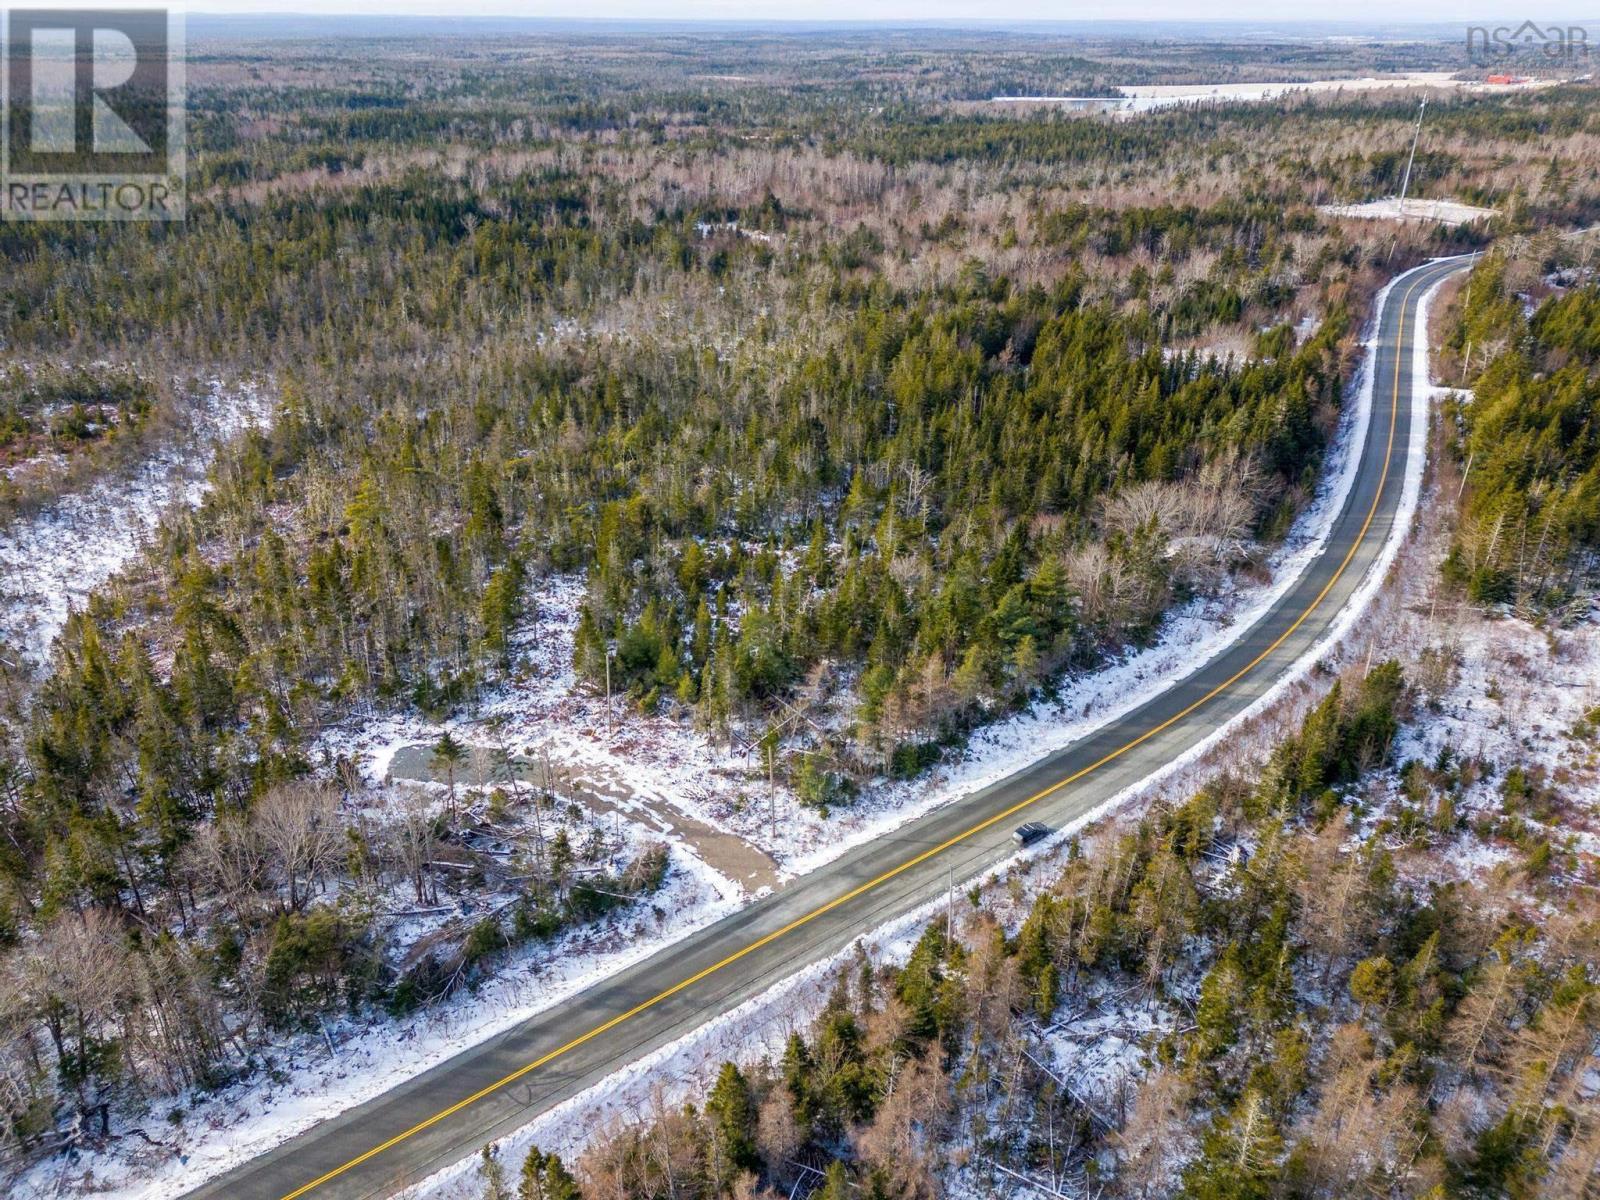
(853,415)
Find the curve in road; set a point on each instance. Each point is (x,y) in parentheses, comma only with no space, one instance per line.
(447,1113)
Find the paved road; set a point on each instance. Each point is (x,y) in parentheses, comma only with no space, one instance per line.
(449,1112)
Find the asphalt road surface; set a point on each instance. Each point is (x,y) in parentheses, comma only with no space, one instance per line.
(449,1112)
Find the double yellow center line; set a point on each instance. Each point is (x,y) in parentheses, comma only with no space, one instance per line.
(821,910)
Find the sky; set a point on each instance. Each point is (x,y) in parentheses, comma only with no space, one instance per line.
(1275,12)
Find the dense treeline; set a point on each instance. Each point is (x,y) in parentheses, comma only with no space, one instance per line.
(1338,1030)
(1530,529)
(942,496)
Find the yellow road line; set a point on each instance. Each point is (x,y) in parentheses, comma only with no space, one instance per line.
(822,910)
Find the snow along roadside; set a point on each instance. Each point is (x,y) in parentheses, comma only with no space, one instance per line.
(762,1023)
(307,1081)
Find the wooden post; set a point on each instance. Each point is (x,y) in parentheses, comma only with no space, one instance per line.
(538,803)
(950,914)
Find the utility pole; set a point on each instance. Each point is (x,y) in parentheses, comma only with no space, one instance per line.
(608,691)
(1462,486)
(1405,182)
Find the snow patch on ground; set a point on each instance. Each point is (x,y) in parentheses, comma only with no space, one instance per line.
(1443,212)
(1521,689)
(51,560)
(1497,692)
(1101,1051)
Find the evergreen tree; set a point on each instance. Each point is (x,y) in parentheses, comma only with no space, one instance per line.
(731,1110)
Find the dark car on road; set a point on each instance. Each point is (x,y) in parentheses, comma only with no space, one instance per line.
(1029,833)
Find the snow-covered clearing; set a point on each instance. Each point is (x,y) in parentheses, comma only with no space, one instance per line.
(1497,693)
(1515,696)
(603,755)
(707,229)
(53,558)
(1443,212)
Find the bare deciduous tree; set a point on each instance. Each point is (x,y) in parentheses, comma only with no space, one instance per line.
(1154,1136)
(300,831)
(412,840)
